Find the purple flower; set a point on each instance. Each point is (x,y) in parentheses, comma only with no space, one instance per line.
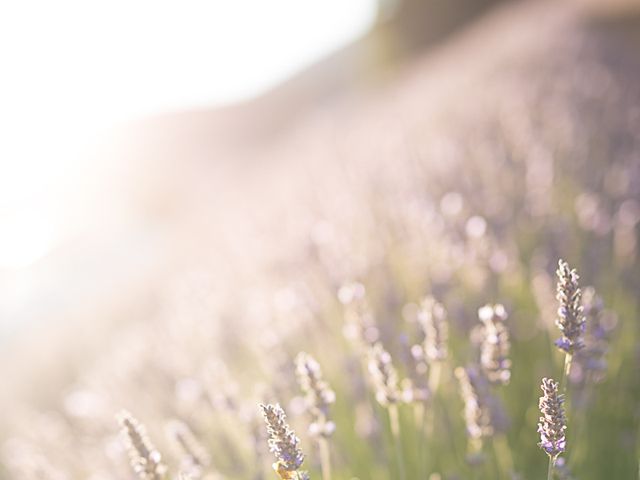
(570,319)
(563,344)
(282,440)
(552,423)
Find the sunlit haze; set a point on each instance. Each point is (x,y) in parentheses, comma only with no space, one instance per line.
(73,69)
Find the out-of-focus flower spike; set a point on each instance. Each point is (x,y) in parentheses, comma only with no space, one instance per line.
(384,375)
(195,458)
(319,395)
(145,459)
(433,320)
(570,319)
(495,346)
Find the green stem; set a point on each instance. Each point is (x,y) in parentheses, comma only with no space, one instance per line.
(565,373)
(434,377)
(325,458)
(448,430)
(394,420)
(503,455)
(550,469)
(419,418)
(434,382)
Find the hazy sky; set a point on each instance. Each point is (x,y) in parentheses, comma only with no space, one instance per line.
(72,68)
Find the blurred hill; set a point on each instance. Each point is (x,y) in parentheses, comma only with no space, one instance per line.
(529,46)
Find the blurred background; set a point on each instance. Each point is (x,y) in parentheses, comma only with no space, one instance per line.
(174,174)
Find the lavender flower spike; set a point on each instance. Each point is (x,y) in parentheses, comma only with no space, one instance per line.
(194,456)
(432,317)
(146,461)
(283,442)
(553,422)
(494,350)
(477,414)
(319,395)
(384,376)
(570,319)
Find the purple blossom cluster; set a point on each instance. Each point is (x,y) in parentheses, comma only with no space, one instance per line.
(553,424)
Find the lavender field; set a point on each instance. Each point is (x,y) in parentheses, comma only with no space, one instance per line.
(435,278)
